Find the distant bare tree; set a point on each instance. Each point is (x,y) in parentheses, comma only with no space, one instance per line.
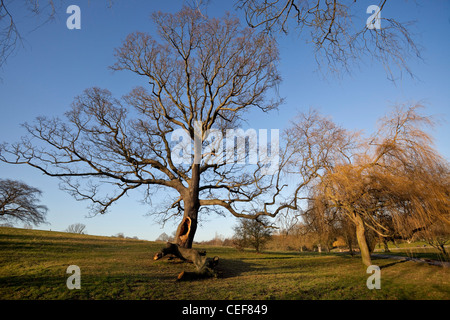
(20,202)
(252,233)
(7,225)
(164,237)
(27,226)
(76,228)
(328,25)
(287,222)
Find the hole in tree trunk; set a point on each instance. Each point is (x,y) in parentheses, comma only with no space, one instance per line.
(185,230)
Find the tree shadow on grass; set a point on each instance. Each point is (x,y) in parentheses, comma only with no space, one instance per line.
(387,265)
(347,255)
(392,264)
(272,258)
(230,268)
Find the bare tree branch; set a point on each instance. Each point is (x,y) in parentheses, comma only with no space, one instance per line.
(338,42)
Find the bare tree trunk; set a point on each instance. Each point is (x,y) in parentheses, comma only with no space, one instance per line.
(444,252)
(350,244)
(386,246)
(188,226)
(362,241)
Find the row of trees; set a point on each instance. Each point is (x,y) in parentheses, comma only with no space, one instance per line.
(248,233)
(205,74)
(341,235)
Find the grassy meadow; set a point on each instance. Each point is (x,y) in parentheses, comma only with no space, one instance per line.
(33,266)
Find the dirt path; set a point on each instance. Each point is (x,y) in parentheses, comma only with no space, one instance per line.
(429,261)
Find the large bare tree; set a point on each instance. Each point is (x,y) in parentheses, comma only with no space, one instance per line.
(203,75)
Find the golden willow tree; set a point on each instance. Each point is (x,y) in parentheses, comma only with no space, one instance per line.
(202,74)
(394,184)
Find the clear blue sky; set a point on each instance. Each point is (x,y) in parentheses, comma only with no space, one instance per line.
(56,64)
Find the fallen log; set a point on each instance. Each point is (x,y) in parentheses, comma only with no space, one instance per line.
(206,272)
(198,258)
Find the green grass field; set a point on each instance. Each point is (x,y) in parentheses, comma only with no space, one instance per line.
(33,266)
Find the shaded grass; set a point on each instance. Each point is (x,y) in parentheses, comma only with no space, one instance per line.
(33,266)
(418,254)
(419,250)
